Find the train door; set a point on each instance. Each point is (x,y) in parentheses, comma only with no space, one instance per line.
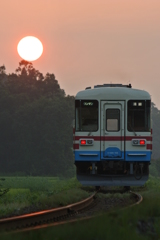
(112,130)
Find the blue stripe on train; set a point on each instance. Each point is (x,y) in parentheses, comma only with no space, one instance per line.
(99,156)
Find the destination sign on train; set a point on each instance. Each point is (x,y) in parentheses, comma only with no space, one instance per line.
(88,103)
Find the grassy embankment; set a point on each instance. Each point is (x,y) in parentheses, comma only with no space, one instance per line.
(27,194)
(138,222)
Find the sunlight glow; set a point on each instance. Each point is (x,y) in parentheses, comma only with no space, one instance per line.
(30,48)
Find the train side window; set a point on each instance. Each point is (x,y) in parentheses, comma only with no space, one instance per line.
(138,115)
(77,117)
(112,120)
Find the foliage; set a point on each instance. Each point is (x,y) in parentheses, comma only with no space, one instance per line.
(156,131)
(154,168)
(2,189)
(137,222)
(48,184)
(28,194)
(35,123)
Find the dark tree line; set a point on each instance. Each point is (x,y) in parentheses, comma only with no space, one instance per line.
(156,132)
(35,123)
(155,163)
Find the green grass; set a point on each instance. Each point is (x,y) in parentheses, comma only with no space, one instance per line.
(35,183)
(38,193)
(138,222)
(122,224)
(46,184)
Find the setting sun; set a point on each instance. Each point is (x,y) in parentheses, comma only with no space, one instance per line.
(30,48)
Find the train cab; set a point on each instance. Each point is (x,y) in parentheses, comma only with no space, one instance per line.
(112,137)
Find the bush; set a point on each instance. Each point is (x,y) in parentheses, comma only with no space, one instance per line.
(154,168)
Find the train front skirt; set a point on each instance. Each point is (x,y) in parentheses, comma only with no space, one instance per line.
(110,180)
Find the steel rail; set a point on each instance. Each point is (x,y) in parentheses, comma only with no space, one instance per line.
(139,197)
(44,216)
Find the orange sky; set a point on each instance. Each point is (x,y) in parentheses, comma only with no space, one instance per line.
(87,42)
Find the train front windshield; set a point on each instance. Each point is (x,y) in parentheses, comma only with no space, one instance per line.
(86,115)
(139,115)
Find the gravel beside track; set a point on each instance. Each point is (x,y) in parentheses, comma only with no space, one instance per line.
(105,204)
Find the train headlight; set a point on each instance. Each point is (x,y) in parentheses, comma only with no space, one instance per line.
(135,142)
(142,142)
(134,104)
(83,142)
(86,142)
(138,142)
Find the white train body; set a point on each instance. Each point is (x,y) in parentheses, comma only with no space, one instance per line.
(112,135)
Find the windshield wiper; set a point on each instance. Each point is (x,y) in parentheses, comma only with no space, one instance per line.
(132,129)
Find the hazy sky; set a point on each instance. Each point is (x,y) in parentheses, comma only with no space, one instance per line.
(87,42)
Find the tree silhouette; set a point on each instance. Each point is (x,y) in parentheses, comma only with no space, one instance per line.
(35,123)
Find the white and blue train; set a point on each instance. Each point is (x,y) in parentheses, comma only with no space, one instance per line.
(112,136)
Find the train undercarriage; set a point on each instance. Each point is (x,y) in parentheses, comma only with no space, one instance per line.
(112,173)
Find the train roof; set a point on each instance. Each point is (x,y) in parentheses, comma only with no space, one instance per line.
(106,92)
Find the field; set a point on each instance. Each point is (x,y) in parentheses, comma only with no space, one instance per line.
(138,222)
(28,194)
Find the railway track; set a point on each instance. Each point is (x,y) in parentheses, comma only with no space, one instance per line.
(46,216)
(55,216)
